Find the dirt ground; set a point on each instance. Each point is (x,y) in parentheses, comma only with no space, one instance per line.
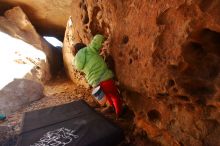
(60,91)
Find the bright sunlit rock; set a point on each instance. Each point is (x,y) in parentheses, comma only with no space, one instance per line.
(17,58)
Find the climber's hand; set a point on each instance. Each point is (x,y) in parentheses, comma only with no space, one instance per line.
(107,42)
(103,52)
(105,48)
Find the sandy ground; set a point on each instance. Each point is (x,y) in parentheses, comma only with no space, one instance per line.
(60,91)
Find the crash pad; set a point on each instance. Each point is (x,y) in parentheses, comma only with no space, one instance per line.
(72,124)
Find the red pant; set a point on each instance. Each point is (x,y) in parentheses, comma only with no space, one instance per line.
(112,95)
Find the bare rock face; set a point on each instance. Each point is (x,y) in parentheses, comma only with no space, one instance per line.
(18,93)
(45,15)
(166,57)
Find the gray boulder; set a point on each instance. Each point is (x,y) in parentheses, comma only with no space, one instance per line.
(18,93)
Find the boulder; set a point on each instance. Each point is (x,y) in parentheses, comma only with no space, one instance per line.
(18,93)
(22,49)
(19,26)
(25,61)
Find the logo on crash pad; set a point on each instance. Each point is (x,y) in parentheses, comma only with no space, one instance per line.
(58,137)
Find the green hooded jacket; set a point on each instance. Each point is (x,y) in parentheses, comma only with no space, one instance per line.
(91,63)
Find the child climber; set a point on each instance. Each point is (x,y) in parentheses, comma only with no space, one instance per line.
(88,60)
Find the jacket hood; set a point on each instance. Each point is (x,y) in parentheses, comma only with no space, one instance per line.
(96,43)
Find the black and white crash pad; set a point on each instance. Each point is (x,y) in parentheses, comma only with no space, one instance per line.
(72,124)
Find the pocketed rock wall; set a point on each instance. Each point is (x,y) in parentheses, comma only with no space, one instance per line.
(167,59)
